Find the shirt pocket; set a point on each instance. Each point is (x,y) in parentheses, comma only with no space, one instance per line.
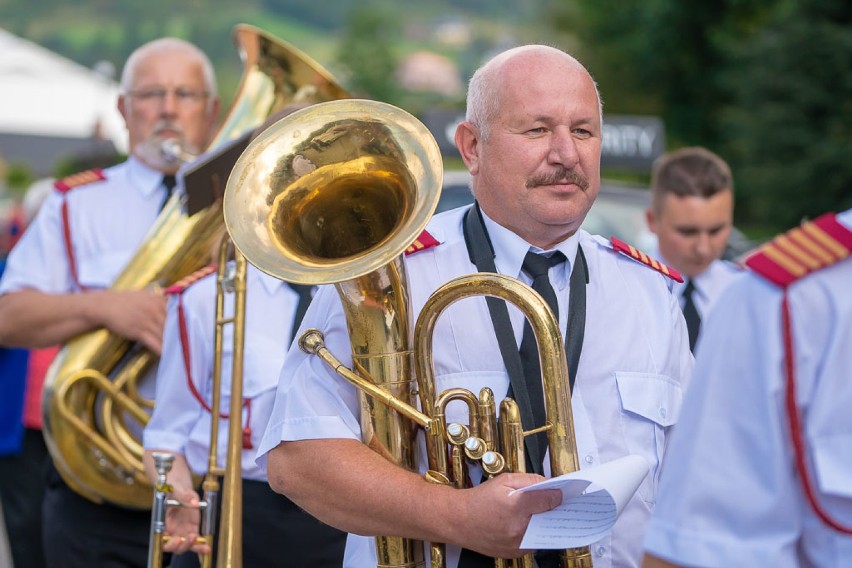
(832,463)
(262,360)
(650,403)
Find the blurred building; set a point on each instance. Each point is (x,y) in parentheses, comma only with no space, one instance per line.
(425,71)
(54,109)
(454,32)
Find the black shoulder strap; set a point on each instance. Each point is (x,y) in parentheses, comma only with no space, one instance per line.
(481,253)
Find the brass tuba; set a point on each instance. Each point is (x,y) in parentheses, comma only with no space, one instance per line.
(334,194)
(91,400)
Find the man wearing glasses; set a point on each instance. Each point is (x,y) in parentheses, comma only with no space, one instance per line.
(56,284)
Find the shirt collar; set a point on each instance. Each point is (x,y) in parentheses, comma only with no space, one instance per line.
(510,250)
(269,283)
(145,179)
(677,287)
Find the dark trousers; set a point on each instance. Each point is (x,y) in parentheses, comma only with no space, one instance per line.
(277,533)
(543,559)
(21,490)
(81,534)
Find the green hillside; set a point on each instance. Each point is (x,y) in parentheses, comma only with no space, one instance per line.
(93,31)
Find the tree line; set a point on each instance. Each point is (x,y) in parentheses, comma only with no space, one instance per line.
(765,83)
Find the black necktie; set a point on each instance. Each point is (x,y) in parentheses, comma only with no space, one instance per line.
(481,254)
(690,314)
(305,296)
(537,266)
(169,183)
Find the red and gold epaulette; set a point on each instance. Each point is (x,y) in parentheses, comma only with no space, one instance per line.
(636,254)
(423,242)
(79,179)
(798,252)
(187,281)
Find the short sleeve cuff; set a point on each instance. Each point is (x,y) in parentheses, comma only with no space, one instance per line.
(314,428)
(161,440)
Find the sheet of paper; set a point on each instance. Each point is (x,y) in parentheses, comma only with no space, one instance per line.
(592,499)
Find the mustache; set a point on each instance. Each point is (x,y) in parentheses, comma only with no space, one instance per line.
(560,174)
(167,125)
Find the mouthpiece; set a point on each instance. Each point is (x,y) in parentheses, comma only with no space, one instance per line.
(172,150)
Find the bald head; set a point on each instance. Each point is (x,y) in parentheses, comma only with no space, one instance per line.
(486,85)
(532,142)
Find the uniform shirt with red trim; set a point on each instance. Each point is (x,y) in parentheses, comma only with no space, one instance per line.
(180,422)
(729,494)
(107,220)
(108,216)
(633,369)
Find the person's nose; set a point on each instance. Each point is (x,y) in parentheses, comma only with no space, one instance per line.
(702,244)
(169,104)
(563,148)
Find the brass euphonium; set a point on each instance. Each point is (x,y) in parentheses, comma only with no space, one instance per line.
(91,390)
(334,194)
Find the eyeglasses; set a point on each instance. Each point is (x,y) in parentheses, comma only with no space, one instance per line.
(157,95)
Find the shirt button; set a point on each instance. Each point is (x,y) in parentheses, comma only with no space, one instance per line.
(663,412)
(589,459)
(601,551)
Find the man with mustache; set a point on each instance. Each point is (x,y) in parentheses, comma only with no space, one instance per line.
(56,285)
(532,143)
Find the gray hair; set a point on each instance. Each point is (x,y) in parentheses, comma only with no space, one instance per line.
(168,44)
(483,96)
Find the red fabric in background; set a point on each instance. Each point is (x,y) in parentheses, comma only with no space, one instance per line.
(40,360)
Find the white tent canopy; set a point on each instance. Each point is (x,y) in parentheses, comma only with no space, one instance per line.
(45,94)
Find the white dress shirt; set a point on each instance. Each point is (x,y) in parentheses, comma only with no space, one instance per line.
(108,220)
(729,494)
(632,373)
(180,423)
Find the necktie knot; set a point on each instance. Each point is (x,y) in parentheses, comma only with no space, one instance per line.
(169,182)
(688,289)
(538,265)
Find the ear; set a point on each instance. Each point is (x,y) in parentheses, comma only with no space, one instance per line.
(467,141)
(121,104)
(651,219)
(214,108)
